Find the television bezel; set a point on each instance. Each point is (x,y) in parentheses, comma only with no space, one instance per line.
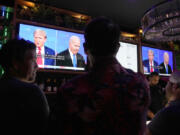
(68,71)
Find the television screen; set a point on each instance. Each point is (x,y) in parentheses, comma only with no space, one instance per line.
(56,49)
(157,60)
(127,56)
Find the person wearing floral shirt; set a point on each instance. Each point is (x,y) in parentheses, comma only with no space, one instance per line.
(108,99)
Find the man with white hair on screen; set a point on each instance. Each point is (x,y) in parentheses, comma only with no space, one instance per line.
(165,68)
(70,57)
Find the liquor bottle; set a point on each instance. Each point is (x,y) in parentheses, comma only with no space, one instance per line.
(54,85)
(41,86)
(48,87)
(63,81)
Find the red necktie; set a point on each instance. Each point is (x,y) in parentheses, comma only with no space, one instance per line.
(151,67)
(39,57)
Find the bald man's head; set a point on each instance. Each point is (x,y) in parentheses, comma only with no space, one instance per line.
(74,44)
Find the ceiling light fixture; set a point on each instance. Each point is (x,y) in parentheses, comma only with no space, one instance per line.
(162,22)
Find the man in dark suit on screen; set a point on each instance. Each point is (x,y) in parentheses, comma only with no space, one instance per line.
(44,54)
(70,57)
(165,68)
(150,65)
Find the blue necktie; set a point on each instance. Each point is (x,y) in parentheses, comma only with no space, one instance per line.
(74,61)
(166,69)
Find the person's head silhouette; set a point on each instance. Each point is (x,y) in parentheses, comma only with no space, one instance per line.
(102,37)
(18,59)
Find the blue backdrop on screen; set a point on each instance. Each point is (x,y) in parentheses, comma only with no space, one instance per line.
(57,40)
(158,55)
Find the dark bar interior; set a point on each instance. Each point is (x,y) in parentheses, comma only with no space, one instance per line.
(68,70)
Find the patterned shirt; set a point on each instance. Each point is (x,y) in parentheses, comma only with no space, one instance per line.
(108,100)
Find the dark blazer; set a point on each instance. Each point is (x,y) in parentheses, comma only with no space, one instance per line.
(24,108)
(163,69)
(49,56)
(64,59)
(146,64)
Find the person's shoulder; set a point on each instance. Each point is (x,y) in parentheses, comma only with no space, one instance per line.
(134,79)
(138,80)
(169,66)
(165,121)
(25,86)
(79,55)
(145,61)
(63,52)
(129,71)
(169,112)
(49,50)
(137,76)
(161,64)
(136,87)
(29,87)
(12,84)
(174,106)
(155,62)
(31,91)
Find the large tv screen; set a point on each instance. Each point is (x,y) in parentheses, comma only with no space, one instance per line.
(157,60)
(56,49)
(127,56)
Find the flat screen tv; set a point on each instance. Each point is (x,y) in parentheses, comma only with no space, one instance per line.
(56,47)
(157,60)
(127,56)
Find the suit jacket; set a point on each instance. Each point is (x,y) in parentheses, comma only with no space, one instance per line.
(49,54)
(163,69)
(64,59)
(146,64)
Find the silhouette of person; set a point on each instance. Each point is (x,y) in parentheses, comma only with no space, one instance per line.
(165,121)
(24,107)
(109,99)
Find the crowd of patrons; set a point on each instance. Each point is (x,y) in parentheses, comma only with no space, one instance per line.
(107,100)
